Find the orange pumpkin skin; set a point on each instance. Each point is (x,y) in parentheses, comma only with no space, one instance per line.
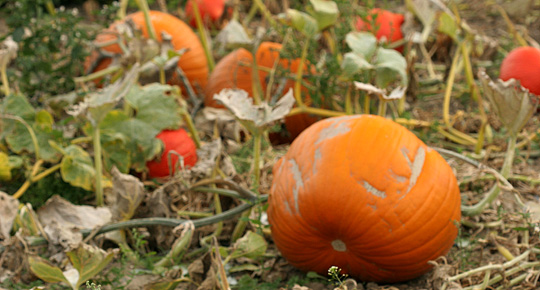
(235,71)
(193,62)
(232,72)
(364,194)
(523,64)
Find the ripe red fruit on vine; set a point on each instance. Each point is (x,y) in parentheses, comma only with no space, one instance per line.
(177,142)
(210,10)
(387,25)
(523,64)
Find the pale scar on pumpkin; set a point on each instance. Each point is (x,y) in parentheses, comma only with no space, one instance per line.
(335,129)
(415,165)
(299,182)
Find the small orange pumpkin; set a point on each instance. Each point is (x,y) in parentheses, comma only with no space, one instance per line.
(364,194)
(193,62)
(234,71)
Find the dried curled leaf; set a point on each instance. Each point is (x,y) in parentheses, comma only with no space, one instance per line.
(233,35)
(397,93)
(8,212)
(66,214)
(254,116)
(513,103)
(129,193)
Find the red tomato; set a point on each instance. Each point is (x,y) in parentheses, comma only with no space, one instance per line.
(387,25)
(178,141)
(523,64)
(211,11)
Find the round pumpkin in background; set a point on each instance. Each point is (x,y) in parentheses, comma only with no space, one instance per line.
(235,71)
(176,142)
(523,64)
(193,62)
(210,11)
(231,72)
(387,25)
(364,194)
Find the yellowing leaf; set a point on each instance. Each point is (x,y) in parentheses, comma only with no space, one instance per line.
(89,261)
(77,167)
(5,167)
(45,270)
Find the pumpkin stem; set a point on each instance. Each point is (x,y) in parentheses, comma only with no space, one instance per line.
(475,95)
(267,14)
(98,165)
(143,6)
(460,137)
(299,72)
(203,36)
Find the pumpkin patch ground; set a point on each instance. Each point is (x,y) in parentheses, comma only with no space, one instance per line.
(303,145)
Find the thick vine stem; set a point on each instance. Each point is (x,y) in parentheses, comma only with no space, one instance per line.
(495,190)
(155,221)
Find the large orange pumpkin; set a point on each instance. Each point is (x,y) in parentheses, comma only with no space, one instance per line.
(366,195)
(234,71)
(193,62)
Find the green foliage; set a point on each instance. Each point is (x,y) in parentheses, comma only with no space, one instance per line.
(29,123)
(51,48)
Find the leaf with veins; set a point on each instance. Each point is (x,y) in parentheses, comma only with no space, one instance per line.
(254,116)
(513,103)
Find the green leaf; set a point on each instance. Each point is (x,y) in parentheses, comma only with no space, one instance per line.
(251,246)
(353,64)
(448,25)
(89,261)
(114,144)
(143,145)
(155,105)
(77,167)
(300,21)
(325,13)
(391,66)
(5,167)
(45,270)
(363,43)
(19,138)
(18,105)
